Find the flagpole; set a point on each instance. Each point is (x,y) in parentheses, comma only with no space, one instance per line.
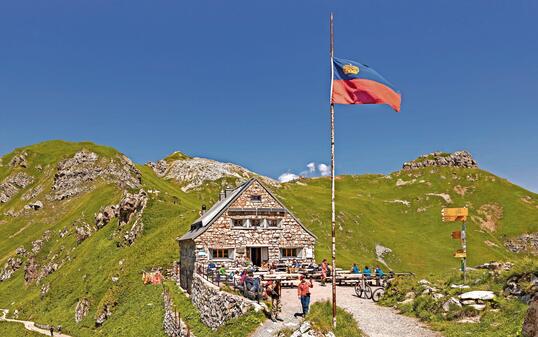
(333,216)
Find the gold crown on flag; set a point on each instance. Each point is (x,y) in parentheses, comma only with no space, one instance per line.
(350,69)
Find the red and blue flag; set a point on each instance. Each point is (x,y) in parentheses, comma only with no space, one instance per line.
(356,83)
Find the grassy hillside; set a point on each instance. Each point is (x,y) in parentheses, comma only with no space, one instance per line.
(367,214)
(372,209)
(138,309)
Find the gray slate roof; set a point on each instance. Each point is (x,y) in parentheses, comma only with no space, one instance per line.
(203,222)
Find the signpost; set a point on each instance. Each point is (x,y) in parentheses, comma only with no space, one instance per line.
(458,214)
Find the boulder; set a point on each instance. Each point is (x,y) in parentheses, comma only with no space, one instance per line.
(484,295)
(451,302)
(34,205)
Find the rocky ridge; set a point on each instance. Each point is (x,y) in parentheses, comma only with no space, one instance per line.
(194,172)
(74,174)
(442,159)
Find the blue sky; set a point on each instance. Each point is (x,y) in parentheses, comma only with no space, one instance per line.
(248,81)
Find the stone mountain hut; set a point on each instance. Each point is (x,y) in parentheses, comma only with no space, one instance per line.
(247,222)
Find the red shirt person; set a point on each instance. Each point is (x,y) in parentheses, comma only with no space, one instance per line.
(303,292)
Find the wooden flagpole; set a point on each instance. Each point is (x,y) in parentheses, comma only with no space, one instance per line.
(333,215)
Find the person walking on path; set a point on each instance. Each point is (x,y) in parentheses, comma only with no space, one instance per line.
(274,290)
(324,267)
(51,329)
(303,291)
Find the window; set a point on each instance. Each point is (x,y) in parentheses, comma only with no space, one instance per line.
(256,198)
(272,222)
(288,252)
(219,253)
(255,222)
(238,222)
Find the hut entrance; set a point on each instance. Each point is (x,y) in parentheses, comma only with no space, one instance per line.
(257,255)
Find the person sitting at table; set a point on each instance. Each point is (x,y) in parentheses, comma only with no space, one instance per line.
(367,272)
(379,274)
(295,263)
(355,269)
(265,265)
(243,277)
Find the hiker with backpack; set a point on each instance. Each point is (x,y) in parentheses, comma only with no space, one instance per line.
(274,290)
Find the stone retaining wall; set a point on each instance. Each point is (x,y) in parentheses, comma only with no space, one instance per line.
(173,325)
(216,306)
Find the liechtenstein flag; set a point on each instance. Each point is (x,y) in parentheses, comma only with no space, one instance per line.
(356,83)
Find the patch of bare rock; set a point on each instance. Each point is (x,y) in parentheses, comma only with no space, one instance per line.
(526,243)
(13,184)
(442,159)
(193,172)
(19,160)
(489,216)
(74,174)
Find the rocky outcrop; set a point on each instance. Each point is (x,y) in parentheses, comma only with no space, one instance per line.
(13,184)
(442,159)
(523,286)
(81,310)
(105,215)
(74,174)
(106,312)
(31,270)
(216,306)
(19,160)
(193,172)
(131,204)
(526,243)
(11,266)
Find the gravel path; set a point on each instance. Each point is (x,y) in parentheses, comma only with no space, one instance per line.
(374,320)
(29,325)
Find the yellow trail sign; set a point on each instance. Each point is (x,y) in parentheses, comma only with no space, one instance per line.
(455,214)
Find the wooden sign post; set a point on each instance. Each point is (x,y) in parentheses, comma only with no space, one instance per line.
(459,214)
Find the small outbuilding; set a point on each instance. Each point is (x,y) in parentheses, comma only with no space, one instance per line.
(247,222)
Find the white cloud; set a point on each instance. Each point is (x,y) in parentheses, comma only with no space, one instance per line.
(311,167)
(324,169)
(288,176)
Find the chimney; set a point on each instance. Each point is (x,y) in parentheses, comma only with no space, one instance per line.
(228,191)
(222,195)
(202,211)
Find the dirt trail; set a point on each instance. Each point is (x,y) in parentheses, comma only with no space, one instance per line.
(29,325)
(374,320)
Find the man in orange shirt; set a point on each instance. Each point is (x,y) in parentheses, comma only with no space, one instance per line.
(303,291)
